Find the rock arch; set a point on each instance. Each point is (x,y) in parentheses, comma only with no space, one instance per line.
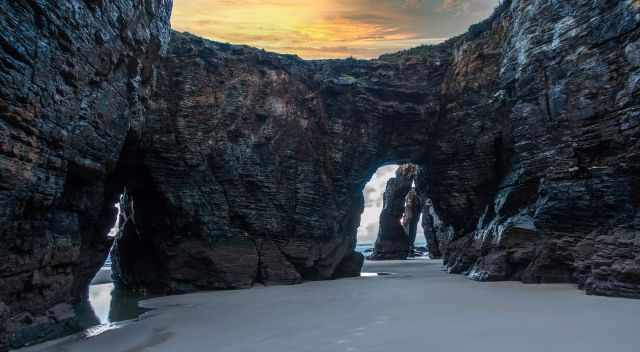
(260,166)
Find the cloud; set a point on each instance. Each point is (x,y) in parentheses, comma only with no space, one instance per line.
(467,8)
(450,4)
(373,195)
(329,28)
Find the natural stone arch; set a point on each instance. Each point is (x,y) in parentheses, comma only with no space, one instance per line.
(259,168)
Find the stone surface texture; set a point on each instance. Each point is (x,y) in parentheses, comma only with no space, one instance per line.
(535,164)
(411,216)
(242,166)
(74,77)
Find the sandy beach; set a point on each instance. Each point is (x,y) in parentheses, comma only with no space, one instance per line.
(418,307)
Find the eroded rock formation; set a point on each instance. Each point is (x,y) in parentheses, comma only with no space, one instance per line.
(74,76)
(243,166)
(411,216)
(536,163)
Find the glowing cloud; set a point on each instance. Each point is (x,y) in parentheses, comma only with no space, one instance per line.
(329,28)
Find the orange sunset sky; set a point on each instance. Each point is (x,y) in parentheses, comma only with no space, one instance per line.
(316,29)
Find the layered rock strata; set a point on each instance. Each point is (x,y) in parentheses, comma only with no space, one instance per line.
(74,76)
(536,161)
(411,217)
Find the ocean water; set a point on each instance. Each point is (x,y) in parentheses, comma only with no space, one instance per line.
(367,248)
(364,248)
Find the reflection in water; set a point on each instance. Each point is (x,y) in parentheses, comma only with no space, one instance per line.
(107,308)
(100,301)
(374,274)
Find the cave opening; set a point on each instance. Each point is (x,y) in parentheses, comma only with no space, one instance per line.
(106,305)
(390,223)
(110,299)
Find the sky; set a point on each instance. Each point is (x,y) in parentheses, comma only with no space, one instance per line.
(370,219)
(319,29)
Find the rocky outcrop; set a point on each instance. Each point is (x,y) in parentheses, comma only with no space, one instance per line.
(411,217)
(535,166)
(74,76)
(393,242)
(242,166)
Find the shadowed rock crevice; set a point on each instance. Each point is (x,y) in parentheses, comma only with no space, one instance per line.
(137,263)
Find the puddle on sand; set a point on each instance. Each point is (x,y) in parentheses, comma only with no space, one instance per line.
(108,308)
(374,274)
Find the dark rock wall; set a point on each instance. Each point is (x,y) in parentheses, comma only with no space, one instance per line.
(435,232)
(73,79)
(540,143)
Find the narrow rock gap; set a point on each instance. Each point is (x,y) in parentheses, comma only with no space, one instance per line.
(106,306)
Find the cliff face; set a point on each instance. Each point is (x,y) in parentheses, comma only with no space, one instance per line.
(535,165)
(242,166)
(74,76)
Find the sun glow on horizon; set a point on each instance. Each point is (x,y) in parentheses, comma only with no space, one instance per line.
(329,28)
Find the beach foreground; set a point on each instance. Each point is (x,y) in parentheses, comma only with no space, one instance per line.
(418,307)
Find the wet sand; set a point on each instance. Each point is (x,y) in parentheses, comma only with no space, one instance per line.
(418,308)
